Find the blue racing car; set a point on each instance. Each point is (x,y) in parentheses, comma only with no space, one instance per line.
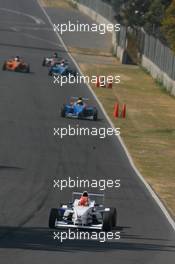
(77,108)
(61,68)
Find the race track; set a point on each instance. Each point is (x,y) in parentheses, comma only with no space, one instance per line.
(31,157)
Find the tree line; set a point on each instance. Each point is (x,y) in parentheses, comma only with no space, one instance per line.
(156,17)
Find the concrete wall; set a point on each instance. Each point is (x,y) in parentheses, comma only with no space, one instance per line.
(159,74)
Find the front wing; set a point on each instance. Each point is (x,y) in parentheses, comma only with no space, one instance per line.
(72,115)
(62,224)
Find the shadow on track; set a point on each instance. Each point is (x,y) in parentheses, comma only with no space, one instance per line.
(33,238)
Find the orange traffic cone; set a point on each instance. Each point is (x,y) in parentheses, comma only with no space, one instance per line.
(98,82)
(124,111)
(116,110)
(110,84)
(102,82)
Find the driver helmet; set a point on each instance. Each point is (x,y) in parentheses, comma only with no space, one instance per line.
(80,100)
(84,200)
(62,62)
(55,55)
(85,194)
(16,58)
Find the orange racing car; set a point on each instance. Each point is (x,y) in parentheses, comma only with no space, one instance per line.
(16,64)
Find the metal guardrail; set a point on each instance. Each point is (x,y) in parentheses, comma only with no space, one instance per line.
(100,7)
(159,54)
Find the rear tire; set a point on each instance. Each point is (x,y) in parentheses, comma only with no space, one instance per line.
(4,67)
(54,215)
(44,62)
(107,222)
(63,112)
(74,73)
(109,219)
(95,115)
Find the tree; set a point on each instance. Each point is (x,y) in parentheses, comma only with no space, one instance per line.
(168,25)
(134,12)
(116,4)
(144,13)
(154,17)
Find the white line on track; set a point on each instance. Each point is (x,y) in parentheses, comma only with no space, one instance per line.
(36,20)
(148,187)
(41,39)
(33,28)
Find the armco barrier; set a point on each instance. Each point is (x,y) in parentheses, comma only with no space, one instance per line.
(161,76)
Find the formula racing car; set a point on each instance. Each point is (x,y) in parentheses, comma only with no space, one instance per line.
(16,64)
(61,68)
(49,61)
(77,108)
(92,215)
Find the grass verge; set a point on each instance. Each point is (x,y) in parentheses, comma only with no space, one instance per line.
(149,129)
(58,3)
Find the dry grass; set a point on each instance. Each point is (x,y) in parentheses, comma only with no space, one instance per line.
(86,51)
(57,3)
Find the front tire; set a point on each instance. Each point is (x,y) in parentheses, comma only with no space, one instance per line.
(17,69)
(54,215)
(27,70)
(80,115)
(114,216)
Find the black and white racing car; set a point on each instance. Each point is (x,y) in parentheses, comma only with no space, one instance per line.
(92,216)
(49,61)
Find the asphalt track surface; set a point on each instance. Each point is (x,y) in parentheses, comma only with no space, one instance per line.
(31,157)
